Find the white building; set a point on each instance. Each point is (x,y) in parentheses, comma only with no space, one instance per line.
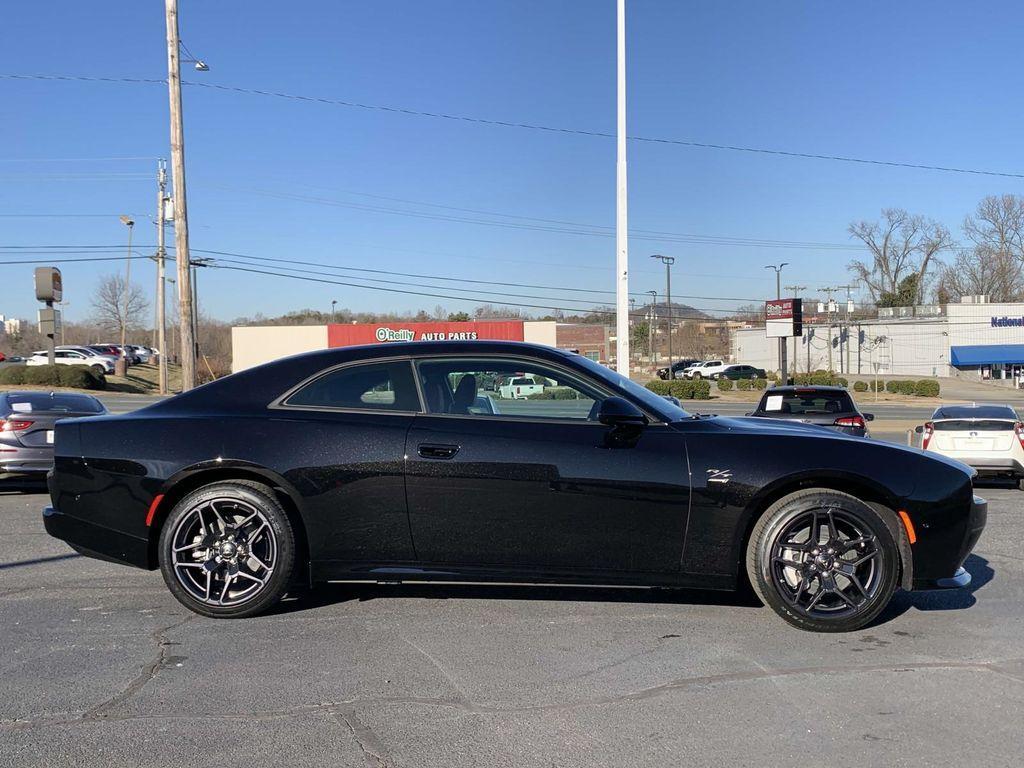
(972,338)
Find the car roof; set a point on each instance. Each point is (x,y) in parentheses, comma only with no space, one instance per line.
(974,411)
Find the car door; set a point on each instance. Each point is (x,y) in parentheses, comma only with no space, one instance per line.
(339,440)
(534,484)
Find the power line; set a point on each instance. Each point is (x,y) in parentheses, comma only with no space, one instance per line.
(523,125)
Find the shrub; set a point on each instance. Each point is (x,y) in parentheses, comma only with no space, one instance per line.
(683,389)
(759,383)
(743,384)
(839,381)
(725,385)
(908,388)
(13,374)
(860,386)
(927,388)
(892,387)
(659,387)
(77,376)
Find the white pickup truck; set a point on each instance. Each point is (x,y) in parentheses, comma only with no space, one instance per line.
(520,387)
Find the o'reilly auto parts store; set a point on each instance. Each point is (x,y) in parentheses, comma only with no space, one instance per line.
(256,344)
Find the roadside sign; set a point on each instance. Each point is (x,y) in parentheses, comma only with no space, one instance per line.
(784,318)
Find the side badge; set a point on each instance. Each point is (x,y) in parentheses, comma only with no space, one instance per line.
(719,475)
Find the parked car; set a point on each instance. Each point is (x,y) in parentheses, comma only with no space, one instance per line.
(520,387)
(126,352)
(736,372)
(142,353)
(989,438)
(233,489)
(827,406)
(98,363)
(26,428)
(677,369)
(89,352)
(706,370)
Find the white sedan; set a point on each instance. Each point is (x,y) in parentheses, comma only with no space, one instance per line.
(989,438)
(99,363)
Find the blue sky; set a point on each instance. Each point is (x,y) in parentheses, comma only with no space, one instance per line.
(919,82)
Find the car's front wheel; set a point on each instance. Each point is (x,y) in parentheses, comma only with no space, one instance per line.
(696,375)
(823,560)
(227,550)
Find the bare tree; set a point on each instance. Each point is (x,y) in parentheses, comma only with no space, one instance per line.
(902,246)
(998,225)
(982,271)
(119,306)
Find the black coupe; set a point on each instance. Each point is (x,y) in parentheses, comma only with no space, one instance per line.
(378,463)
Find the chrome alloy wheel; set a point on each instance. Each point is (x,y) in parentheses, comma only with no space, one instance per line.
(223,551)
(826,563)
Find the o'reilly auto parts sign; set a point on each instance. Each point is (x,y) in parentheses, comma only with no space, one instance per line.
(784,318)
(340,335)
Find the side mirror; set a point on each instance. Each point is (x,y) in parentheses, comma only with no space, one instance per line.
(673,399)
(869,417)
(749,414)
(627,422)
(919,429)
(619,412)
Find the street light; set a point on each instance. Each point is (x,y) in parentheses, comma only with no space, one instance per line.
(130,223)
(334,317)
(782,342)
(668,261)
(650,326)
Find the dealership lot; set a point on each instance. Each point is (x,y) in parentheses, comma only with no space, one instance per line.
(101,665)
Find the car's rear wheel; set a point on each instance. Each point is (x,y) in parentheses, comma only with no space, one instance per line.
(1020,483)
(227,550)
(823,560)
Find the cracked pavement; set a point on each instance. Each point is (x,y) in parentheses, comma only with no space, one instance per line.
(101,666)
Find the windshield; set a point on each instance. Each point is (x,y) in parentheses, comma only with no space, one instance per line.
(55,402)
(655,402)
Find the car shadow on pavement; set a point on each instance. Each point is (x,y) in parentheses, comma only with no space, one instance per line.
(329,594)
(941,599)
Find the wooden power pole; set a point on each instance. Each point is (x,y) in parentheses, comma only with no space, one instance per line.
(185,312)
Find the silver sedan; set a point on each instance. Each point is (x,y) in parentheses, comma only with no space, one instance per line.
(26,428)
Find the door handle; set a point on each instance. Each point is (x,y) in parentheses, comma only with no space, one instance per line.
(437,450)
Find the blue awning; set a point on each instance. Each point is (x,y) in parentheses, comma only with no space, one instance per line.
(987,354)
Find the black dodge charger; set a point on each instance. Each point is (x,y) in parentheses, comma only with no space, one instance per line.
(406,462)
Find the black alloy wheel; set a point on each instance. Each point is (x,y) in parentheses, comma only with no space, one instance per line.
(823,560)
(227,550)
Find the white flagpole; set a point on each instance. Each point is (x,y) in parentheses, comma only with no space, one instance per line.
(621,231)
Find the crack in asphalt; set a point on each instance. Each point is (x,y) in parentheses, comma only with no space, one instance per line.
(368,740)
(373,750)
(149,671)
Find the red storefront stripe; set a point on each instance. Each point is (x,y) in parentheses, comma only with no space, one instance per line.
(373,333)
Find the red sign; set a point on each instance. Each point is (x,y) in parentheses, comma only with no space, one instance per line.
(375,333)
(779,309)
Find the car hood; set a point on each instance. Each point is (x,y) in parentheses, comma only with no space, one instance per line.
(782,427)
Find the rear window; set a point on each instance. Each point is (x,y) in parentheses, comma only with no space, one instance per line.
(53,403)
(811,403)
(373,387)
(973,425)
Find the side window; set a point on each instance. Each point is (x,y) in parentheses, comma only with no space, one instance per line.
(512,388)
(373,387)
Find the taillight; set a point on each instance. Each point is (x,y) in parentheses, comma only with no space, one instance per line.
(850,421)
(1019,430)
(929,429)
(14,425)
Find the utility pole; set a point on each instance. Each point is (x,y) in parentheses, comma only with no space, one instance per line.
(161,282)
(668,261)
(621,205)
(185,302)
(782,342)
(127,293)
(195,301)
(849,301)
(650,327)
(828,316)
(797,292)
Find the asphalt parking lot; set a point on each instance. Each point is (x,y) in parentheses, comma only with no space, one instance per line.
(100,666)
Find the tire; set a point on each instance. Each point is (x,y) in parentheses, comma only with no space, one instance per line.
(220,570)
(101,370)
(1020,483)
(697,376)
(815,593)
